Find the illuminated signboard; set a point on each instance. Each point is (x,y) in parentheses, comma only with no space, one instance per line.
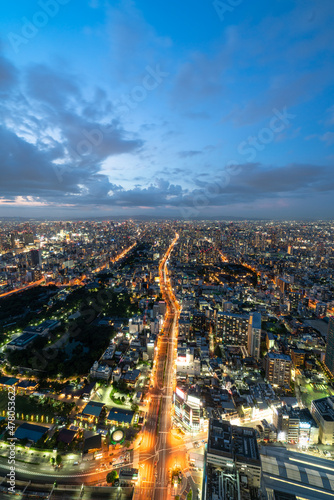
(179,393)
(192,399)
(304,425)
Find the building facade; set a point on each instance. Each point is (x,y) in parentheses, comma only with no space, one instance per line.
(278,369)
(254,335)
(232,329)
(329,358)
(188,410)
(296,426)
(323,413)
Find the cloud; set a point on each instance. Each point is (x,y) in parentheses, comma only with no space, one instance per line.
(328,138)
(189,154)
(8,74)
(53,140)
(199,79)
(27,174)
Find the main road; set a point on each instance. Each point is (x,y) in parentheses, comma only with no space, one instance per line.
(155,456)
(157,448)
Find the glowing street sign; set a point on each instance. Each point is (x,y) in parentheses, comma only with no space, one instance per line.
(180,393)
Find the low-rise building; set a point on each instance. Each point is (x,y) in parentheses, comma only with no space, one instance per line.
(296,425)
(22,341)
(187,363)
(101,371)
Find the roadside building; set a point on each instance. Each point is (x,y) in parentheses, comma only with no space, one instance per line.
(234,449)
(188,410)
(119,416)
(296,426)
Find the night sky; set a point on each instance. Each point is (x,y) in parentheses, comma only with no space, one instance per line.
(186,108)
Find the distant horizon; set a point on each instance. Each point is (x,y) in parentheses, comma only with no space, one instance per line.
(152,218)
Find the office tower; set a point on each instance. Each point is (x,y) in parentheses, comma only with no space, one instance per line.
(12,240)
(329,358)
(28,238)
(36,257)
(254,335)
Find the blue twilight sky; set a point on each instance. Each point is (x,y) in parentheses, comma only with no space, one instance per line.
(185,109)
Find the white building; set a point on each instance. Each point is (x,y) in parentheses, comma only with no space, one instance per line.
(186,363)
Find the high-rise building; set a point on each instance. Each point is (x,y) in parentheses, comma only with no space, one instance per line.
(232,329)
(278,369)
(28,238)
(254,335)
(12,240)
(36,257)
(329,358)
(298,357)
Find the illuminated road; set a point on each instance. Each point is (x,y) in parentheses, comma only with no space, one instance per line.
(155,456)
(22,289)
(75,281)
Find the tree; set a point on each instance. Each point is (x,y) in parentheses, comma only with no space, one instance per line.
(112,476)
(217,351)
(59,459)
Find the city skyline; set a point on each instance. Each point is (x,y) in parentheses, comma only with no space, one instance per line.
(122,109)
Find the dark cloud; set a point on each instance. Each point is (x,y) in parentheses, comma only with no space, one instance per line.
(8,74)
(51,87)
(56,141)
(255,182)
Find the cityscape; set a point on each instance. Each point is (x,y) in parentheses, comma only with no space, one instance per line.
(168,358)
(166,250)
